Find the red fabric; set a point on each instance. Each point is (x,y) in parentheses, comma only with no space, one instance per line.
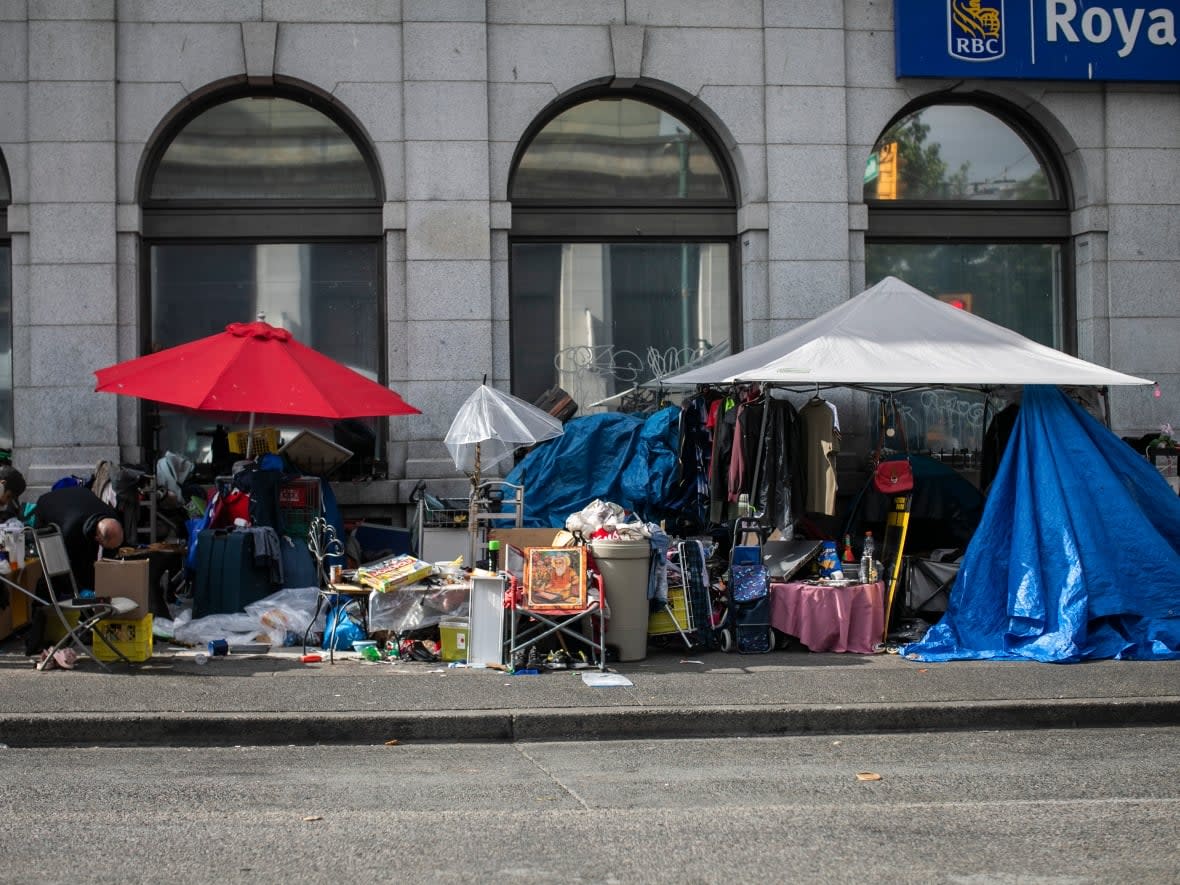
(235,505)
(252,367)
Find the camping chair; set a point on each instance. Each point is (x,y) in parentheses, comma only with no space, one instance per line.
(530,624)
(55,563)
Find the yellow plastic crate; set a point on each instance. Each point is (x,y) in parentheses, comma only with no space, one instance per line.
(266,439)
(133,637)
(660,624)
(54,631)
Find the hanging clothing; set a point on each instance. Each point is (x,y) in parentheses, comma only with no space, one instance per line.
(821,444)
(744,455)
(723,439)
(780,486)
(689,500)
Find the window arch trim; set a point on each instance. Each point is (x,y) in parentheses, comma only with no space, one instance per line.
(684,113)
(297,93)
(1039,144)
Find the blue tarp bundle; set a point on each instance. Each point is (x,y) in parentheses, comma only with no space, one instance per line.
(1077,556)
(627,460)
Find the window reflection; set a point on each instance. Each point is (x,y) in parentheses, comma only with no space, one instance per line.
(325,294)
(1015,285)
(262,147)
(954,152)
(598,318)
(618,149)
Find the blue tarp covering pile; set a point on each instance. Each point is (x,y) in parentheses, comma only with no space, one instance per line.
(1077,556)
(627,460)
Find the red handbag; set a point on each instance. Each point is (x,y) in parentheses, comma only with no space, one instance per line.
(894,477)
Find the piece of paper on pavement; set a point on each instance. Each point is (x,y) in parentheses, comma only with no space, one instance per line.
(605,680)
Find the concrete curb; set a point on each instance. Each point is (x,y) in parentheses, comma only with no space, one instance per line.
(630,723)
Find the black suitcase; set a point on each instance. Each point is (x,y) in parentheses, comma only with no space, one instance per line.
(228,578)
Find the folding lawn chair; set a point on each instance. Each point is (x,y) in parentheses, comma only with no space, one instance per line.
(531,623)
(55,563)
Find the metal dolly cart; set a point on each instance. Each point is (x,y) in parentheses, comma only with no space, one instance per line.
(442,520)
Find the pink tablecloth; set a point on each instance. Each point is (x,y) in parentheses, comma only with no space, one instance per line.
(848,618)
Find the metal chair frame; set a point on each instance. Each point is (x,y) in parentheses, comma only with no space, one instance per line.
(542,623)
(323,543)
(55,563)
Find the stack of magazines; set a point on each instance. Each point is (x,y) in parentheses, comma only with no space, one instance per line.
(393,573)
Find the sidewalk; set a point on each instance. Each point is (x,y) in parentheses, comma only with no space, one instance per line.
(269,699)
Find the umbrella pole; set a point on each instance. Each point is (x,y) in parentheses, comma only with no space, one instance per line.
(473,511)
(250,438)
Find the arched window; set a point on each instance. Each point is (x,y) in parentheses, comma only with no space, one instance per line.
(967,203)
(622,252)
(6,418)
(262,203)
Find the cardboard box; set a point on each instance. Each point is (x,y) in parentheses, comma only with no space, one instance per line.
(125,577)
(527,537)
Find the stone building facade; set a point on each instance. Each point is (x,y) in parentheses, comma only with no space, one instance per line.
(442,99)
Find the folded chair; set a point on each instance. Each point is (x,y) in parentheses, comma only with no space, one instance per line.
(531,623)
(55,563)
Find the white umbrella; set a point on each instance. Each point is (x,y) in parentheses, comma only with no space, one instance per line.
(491,425)
(487,429)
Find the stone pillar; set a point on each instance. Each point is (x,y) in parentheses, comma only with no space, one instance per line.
(448,287)
(72,322)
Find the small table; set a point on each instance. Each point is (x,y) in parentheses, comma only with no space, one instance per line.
(356,592)
(848,618)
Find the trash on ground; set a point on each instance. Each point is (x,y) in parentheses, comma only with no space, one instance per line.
(605,680)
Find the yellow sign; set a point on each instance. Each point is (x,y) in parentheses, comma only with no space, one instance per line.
(887,171)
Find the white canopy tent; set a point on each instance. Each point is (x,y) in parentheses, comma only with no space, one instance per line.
(892,336)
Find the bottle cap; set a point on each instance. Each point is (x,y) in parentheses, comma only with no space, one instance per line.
(493,544)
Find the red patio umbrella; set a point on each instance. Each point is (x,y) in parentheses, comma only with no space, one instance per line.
(252,368)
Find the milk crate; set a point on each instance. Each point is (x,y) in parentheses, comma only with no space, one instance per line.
(266,440)
(299,501)
(661,624)
(132,637)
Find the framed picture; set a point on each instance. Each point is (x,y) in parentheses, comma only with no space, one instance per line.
(555,577)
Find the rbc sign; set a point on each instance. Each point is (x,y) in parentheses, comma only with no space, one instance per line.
(1038,39)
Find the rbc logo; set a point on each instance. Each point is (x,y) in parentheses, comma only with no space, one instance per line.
(975,32)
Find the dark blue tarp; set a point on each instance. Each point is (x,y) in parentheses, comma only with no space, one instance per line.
(627,460)
(1077,556)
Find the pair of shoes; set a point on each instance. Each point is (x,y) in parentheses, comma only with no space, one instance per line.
(558,660)
(533,661)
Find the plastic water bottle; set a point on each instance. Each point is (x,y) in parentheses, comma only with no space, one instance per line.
(866,575)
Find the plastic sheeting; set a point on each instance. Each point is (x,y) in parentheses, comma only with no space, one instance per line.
(1077,556)
(627,459)
(495,424)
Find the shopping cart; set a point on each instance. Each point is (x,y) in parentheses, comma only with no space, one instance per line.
(745,627)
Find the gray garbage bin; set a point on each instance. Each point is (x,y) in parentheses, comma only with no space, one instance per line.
(624,568)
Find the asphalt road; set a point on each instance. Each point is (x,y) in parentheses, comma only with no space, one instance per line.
(1070,806)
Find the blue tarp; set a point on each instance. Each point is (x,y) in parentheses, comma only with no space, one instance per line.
(627,460)
(1077,556)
